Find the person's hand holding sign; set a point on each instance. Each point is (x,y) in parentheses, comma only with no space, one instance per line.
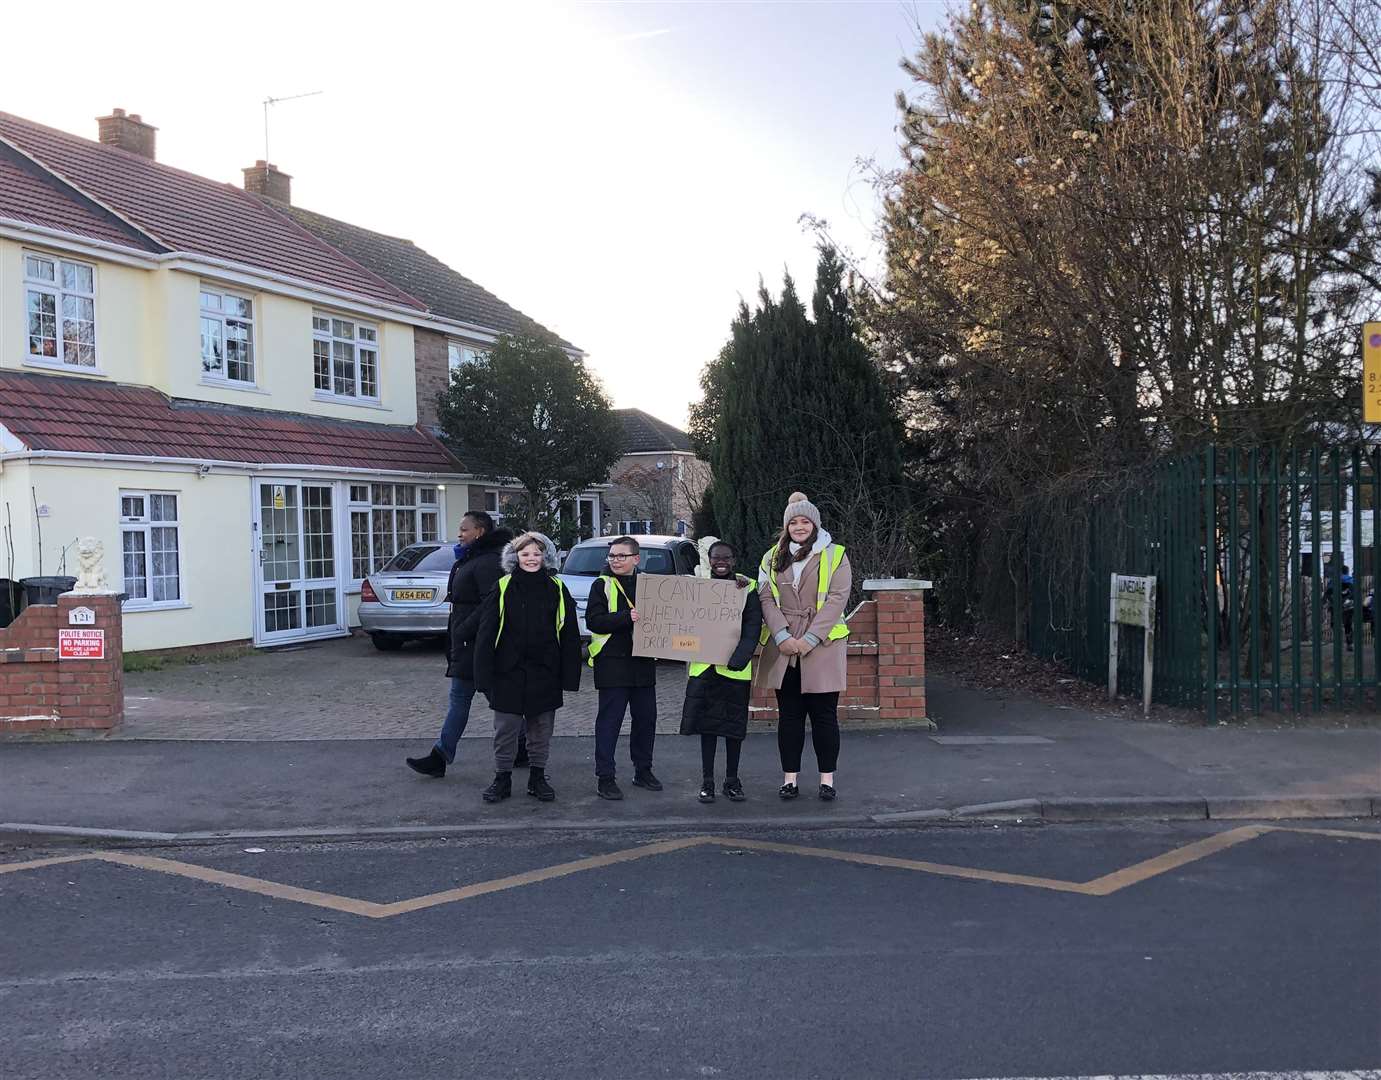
(633,614)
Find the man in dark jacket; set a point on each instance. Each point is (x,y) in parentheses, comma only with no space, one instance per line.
(475,571)
(626,683)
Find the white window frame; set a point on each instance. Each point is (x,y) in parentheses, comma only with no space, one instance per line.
(428,499)
(37,285)
(142,524)
(626,527)
(458,354)
(361,338)
(223,318)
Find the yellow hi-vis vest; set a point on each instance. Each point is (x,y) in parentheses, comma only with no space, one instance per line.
(698,668)
(830,559)
(560,606)
(612,591)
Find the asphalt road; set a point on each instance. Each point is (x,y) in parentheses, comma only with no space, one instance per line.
(711,959)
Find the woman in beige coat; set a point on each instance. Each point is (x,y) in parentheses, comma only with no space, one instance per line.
(804,581)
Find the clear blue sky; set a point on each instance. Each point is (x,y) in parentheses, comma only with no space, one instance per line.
(623,172)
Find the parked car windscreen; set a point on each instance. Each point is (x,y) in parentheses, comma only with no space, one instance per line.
(421,558)
(591,561)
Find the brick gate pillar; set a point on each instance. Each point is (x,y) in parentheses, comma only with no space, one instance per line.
(901,647)
(40,689)
(886,658)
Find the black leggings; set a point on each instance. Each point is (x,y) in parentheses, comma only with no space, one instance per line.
(732,749)
(792,709)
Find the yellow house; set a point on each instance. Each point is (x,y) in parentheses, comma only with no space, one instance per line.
(224,399)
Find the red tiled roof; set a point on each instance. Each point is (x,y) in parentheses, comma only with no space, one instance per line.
(29,194)
(57,412)
(190,213)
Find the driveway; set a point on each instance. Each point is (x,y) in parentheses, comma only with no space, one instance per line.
(338,689)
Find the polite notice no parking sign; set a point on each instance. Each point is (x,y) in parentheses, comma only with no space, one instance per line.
(81,644)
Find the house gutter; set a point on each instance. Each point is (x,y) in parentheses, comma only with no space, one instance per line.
(78,457)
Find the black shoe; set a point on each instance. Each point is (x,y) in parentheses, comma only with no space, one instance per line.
(789,791)
(434,764)
(733,789)
(707,790)
(607,789)
(826,793)
(644,778)
(538,787)
(520,760)
(501,788)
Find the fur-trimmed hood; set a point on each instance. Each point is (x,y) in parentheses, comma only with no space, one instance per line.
(509,559)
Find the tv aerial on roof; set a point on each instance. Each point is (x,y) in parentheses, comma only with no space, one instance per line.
(274,101)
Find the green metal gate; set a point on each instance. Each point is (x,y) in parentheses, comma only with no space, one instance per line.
(1265,563)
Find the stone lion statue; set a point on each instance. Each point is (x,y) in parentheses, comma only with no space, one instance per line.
(91,574)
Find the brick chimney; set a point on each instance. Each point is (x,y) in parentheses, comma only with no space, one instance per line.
(128,133)
(261,178)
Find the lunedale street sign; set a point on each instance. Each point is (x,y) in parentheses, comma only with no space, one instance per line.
(1132,603)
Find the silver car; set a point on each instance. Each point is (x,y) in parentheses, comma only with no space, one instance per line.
(589,558)
(407,598)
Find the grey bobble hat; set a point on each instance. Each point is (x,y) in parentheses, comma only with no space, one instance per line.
(797,505)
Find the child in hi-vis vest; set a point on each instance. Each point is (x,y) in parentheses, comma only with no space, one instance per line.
(717,695)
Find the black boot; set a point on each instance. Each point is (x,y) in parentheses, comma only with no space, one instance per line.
(501,788)
(434,764)
(645,779)
(520,760)
(538,787)
(707,790)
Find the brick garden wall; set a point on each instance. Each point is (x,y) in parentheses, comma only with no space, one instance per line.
(886,661)
(39,692)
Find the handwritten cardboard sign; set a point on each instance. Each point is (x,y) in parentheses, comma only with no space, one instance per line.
(688,618)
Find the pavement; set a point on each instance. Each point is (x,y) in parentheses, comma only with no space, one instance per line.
(994,757)
(1132,949)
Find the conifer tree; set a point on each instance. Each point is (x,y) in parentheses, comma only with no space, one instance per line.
(795,403)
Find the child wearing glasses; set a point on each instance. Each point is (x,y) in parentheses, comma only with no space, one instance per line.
(626,683)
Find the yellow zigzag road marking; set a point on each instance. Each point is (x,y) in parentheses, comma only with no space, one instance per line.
(1100,886)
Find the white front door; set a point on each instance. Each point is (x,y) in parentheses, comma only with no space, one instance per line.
(298,593)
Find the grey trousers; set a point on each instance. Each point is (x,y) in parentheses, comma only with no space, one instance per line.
(508,726)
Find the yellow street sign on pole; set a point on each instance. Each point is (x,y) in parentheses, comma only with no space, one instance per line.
(1371,373)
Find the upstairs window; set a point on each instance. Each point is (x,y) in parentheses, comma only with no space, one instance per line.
(61,305)
(345,358)
(227,337)
(458,355)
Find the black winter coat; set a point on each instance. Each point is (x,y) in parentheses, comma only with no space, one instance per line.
(719,706)
(616,665)
(471,580)
(530,666)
